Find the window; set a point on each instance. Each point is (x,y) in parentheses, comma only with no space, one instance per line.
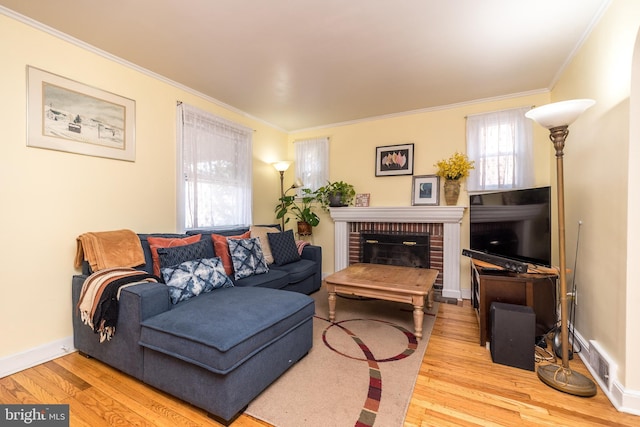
(214,170)
(500,143)
(312,162)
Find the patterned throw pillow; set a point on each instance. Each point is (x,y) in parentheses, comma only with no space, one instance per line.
(247,257)
(221,247)
(283,247)
(179,254)
(191,278)
(167,242)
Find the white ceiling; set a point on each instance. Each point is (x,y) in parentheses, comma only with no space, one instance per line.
(307,63)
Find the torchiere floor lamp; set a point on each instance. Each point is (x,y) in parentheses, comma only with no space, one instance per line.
(281,167)
(557,117)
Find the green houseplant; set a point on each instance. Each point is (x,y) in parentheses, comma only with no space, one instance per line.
(335,194)
(300,208)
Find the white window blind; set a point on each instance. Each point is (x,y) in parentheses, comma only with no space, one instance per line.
(500,143)
(312,162)
(214,170)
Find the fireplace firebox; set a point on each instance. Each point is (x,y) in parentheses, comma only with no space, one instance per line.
(395,248)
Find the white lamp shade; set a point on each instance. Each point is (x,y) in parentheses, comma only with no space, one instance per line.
(561,113)
(281,166)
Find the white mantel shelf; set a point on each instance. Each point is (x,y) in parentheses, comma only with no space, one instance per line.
(449,216)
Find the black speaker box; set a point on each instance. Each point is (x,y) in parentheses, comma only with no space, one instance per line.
(513,335)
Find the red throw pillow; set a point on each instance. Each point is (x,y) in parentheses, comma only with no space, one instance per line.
(221,248)
(167,242)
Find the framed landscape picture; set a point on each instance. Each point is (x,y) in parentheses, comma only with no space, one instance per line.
(394,160)
(426,190)
(66,115)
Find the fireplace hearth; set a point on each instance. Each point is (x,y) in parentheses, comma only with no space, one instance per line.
(443,224)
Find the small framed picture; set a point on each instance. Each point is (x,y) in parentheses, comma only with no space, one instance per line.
(394,160)
(426,190)
(362,200)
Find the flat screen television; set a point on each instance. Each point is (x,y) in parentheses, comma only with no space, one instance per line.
(513,224)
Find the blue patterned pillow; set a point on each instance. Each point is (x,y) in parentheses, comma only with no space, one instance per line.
(191,278)
(283,247)
(247,257)
(176,255)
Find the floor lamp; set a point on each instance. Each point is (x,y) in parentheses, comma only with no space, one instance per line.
(557,117)
(282,167)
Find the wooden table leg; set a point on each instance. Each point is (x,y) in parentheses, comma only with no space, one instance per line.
(418,315)
(332,303)
(430,298)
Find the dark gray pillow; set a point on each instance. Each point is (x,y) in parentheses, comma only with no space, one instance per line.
(176,255)
(283,247)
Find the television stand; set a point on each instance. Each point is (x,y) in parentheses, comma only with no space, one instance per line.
(536,288)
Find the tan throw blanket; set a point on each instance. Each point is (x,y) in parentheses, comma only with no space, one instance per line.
(107,249)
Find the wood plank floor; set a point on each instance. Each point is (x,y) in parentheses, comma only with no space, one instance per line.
(458,385)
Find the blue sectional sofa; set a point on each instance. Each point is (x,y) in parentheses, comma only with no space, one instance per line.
(217,350)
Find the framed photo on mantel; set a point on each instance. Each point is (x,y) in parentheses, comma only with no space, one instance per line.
(426,190)
(392,160)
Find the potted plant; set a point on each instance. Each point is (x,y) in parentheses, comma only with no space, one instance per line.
(453,170)
(335,194)
(300,208)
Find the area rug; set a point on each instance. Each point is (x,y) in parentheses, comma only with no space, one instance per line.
(360,372)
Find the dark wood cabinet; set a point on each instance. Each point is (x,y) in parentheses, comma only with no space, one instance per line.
(536,290)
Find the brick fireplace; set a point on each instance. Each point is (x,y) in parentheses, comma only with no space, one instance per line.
(442,223)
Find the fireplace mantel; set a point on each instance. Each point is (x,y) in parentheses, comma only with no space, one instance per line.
(449,216)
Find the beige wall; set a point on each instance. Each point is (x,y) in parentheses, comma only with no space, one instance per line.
(597,188)
(49,197)
(435,134)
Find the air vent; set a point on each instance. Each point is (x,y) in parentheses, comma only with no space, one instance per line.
(601,364)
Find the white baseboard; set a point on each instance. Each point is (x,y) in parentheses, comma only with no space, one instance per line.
(35,356)
(622,399)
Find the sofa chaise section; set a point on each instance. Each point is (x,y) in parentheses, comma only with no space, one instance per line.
(220,350)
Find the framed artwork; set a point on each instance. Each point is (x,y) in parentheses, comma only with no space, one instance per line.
(394,160)
(66,115)
(426,190)
(362,200)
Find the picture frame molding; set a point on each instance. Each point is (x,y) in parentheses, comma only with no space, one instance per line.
(381,151)
(117,132)
(418,199)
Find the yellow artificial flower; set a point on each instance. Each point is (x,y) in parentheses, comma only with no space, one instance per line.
(455,167)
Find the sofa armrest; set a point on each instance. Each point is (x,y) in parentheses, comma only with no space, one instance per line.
(314,253)
(137,303)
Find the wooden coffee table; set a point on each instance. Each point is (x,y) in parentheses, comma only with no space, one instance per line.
(387,282)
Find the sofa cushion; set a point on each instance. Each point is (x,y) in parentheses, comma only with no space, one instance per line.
(283,247)
(261,233)
(178,254)
(297,271)
(247,257)
(191,278)
(221,248)
(167,242)
(274,279)
(220,330)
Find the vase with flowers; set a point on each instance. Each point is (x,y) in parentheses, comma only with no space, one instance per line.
(453,169)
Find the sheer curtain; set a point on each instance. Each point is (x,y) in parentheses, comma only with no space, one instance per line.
(312,162)
(214,170)
(500,143)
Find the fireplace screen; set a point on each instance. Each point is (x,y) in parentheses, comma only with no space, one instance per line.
(404,249)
